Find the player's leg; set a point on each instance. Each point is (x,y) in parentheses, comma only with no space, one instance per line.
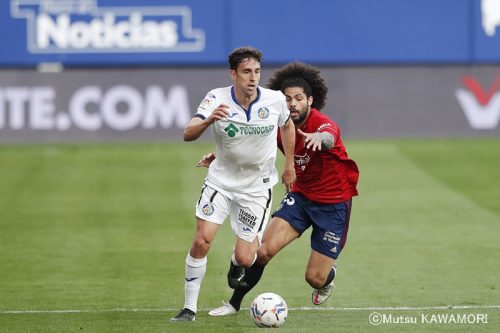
(196,266)
(244,256)
(330,228)
(249,216)
(320,273)
(288,223)
(278,234)
(211,210)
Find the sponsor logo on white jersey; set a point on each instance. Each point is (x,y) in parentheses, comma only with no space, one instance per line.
(232,130)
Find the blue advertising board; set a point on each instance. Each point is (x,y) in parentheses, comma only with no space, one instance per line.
(360,31)
(190,32)
(110,32)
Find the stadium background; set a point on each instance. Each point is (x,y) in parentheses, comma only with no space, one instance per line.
(96,189)
(395,68)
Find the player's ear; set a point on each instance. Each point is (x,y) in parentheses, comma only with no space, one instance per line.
(232,74)
(310,100)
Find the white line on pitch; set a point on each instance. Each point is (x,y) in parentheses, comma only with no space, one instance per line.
(347,309)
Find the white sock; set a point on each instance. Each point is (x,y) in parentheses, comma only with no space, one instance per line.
(195,271)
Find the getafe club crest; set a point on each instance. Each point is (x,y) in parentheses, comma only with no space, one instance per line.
(263,113)
(208,209)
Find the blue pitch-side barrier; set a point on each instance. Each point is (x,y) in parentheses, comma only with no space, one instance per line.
(158,32)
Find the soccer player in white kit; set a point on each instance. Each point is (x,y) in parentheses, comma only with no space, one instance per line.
(244,119)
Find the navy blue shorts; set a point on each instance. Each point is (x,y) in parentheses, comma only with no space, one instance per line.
(330,222)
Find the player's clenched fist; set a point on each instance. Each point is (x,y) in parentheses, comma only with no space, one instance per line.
(220,112)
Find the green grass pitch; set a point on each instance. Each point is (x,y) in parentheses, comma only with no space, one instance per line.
(93,238)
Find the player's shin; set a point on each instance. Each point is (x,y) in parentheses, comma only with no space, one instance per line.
(252,277)
(330,277)
(195,272)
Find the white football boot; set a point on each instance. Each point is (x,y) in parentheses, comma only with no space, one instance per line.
(319,296)
(225,310)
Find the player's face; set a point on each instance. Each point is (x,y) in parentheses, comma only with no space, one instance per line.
(298,104)
(246,77)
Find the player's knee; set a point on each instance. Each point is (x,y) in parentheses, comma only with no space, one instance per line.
(315,279)
(201,245)
(264,255)
(245,259)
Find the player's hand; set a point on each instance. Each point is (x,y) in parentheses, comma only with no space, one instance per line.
(221,112)
(288,177)
(311,140)
(206,160)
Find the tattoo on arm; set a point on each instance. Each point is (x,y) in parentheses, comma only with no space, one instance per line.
(327,140)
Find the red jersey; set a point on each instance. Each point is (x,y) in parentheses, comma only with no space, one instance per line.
(323,176)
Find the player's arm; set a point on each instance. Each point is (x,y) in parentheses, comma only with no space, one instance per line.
(196,126)
(288,141)
(318,140)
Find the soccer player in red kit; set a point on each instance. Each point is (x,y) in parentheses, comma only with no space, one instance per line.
(321,196)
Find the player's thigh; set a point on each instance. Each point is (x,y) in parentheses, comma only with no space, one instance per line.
(211,210)
(206,230)
(289,221)
(330,227)
(278,234)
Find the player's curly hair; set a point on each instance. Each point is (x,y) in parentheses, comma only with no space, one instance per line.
(299,74)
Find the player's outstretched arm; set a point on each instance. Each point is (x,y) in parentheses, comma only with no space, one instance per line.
(318,141)
(288,140)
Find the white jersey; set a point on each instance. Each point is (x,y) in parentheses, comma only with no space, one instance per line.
(246,141)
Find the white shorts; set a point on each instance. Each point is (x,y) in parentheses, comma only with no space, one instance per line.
(249,213)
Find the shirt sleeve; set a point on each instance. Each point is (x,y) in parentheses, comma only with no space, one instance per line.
(207,106)
(284,112)
(326,125)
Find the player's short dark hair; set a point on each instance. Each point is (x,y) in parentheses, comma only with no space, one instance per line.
(299,74)
(241,53)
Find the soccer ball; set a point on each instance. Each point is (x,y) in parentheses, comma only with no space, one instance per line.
(268,310)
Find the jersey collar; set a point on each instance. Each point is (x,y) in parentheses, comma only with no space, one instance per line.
(249,111)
